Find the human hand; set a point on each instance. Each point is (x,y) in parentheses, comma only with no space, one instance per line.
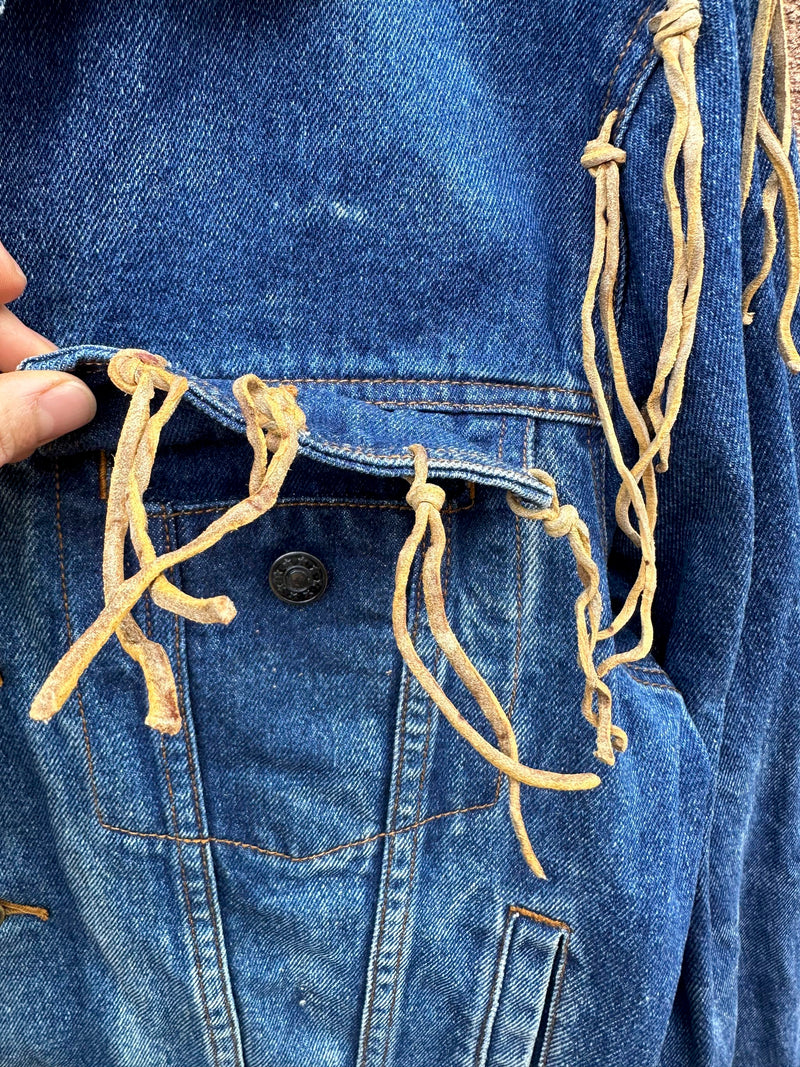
(36,406)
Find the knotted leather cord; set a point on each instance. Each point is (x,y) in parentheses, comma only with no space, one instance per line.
(675,31)
(770,27)
(427,500)
(273,421)
(563,520)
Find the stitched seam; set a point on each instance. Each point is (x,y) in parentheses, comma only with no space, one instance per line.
(503,424)
(653,685)
(196,800)
(68,619)
(427,381)
(319,504)
(551,1023)
(390,857)
(498,407)
(287,856)
(102,474)
(197,958)
(622,55)
(493,989)
(599,495)
(516,909)
(443,455)
(639,75)
(518,645)
(415,840)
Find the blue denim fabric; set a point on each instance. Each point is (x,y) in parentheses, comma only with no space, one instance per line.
(384,204)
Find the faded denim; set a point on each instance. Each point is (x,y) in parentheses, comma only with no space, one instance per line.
(384,204)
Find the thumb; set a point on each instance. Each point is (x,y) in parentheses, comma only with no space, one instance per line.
(37,406)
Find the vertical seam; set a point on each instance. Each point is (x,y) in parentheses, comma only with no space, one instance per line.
(551,1023)
(551,1020)
(68,620)
(518,644)
(599,494)
(620,58)
(389,860)
(634,84)
(196,800)
(417,814)
(187,899)
(186,896)
(493,988)
(102,474)
(503,424)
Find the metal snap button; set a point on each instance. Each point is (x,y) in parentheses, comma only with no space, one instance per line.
(298,578)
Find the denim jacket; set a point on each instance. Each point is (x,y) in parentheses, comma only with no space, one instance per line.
(402,668)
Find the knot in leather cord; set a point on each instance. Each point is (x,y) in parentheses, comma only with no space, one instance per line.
(127,365)
(433,495)
(682,19)
(557,520)
(562,520)
(599,152)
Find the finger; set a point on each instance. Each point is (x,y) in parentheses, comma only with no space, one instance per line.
(37,406)
(18,341)
(12,280)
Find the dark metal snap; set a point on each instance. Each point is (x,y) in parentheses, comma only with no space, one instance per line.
(298,578)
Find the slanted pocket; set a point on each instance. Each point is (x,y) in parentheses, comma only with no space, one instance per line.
(521,1013)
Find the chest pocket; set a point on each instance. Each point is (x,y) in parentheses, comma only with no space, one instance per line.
(292,715)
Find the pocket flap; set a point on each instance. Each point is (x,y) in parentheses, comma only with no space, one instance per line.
(357,434)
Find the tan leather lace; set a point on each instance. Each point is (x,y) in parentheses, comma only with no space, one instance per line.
(8,908)
(770,27)
(427,499)
(273,421)
(675,32)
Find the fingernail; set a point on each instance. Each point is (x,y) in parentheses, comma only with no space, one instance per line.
(15,267)
(63,408)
